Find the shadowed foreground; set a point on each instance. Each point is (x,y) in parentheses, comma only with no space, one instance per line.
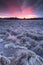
(21,42)
(20,56)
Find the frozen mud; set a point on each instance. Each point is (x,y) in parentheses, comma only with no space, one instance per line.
(21,42)
(18,55)
(4,60)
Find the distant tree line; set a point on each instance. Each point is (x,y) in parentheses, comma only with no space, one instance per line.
(12,18)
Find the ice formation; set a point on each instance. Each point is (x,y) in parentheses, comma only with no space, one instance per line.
(21,42)
(4,60)
(22,56)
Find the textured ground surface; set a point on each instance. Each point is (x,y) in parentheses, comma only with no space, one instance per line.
(21,42)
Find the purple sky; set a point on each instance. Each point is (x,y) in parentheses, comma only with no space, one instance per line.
(21,8)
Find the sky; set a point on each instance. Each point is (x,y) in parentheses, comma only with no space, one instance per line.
(21,8)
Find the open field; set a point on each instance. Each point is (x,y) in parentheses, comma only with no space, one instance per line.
(20,39)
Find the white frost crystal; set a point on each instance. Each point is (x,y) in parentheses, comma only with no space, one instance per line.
(22,56)
(4,60)
(21,42)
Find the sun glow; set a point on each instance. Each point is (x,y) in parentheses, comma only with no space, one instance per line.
(22,16)
(28,16)
(23,13)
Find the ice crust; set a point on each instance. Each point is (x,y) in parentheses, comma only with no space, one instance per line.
(22,56)
(21,42)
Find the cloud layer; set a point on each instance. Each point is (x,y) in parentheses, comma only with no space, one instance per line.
(22,7)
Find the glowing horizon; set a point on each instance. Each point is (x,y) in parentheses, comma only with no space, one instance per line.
(24,13)
(27,16)
(21,8)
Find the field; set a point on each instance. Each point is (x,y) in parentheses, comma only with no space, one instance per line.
(21,41)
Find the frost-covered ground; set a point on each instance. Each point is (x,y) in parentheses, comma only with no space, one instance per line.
(21,42)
